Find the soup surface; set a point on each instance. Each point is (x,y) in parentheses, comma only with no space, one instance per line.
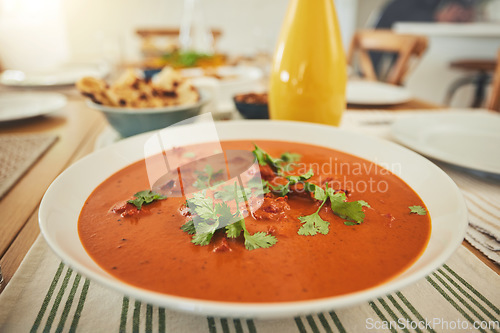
(149,249)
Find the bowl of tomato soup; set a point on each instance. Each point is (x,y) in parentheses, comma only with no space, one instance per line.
(342,219)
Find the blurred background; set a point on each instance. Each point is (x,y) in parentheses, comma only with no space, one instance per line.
(39,34)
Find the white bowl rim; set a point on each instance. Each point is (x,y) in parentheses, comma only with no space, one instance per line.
(267,310)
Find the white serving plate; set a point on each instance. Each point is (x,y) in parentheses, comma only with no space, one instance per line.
(469,139)
(22,105)
(61,205)
(66,75)
(375,93)
(235,80)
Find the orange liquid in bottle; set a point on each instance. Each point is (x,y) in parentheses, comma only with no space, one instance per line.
(308,76)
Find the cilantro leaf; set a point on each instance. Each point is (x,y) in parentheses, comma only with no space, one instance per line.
(189,227)
(209,216)
(280,189)
(299,178)
(206,209)
(259,186)
(312,225)
(202,239)
(206,228)
(283,190)
(145,197)
(290,157)
(205,178)
(310,187)
(319,193)
(234,230)
(223,210)
(418,210)
(252,242)
(256,182)
(227,194)
(265,159)
(350,223)
(364,203)
(347,210)
(259,240)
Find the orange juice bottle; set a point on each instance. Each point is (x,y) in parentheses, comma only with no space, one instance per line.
(308,75)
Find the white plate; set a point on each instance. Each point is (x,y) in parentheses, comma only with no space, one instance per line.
(470,139)
(63,76)
(21,105)
(375,93)
(64,199)
(229,75)
(234,80)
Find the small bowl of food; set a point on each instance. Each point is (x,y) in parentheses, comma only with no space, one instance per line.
(252,105)
(133,105)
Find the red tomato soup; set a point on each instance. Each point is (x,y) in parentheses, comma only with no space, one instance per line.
(148,249)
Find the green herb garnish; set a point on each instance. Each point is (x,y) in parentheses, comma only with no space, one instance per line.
(265,159)
(312,224)
(280,189)
(185,58)
(278,165)
(352,211)
(284,189)
(145,197)
(290,159)
(252,242)
(206,177)
(364,203)
(208,216)
(418,210)
(256,241)
(300,178)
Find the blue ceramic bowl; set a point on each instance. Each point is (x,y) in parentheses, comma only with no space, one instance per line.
(252,110)
(130,121)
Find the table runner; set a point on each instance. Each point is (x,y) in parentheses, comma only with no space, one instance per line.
(17,155)
(47,296)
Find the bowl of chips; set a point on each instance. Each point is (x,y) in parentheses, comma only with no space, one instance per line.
(134,105)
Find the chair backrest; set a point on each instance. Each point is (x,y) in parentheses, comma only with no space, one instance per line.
(407,47)
(171,34)
(494,101)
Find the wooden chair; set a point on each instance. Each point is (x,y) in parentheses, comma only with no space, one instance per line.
(478,73)
(407,48)
(494,101)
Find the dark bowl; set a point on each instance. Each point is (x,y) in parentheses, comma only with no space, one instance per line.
(252,110)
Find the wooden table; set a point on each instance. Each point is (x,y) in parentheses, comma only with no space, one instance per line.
(414,104)
(77,128)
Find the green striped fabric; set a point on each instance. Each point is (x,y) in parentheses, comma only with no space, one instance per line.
(463,294)
(64,308)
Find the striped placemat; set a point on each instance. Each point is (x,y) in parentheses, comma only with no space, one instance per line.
(18,152)
(47,296)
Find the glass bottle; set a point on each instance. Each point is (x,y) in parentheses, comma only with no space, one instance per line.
(194,34)
(308,75)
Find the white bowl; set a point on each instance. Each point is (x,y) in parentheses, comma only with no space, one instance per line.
(61,205)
